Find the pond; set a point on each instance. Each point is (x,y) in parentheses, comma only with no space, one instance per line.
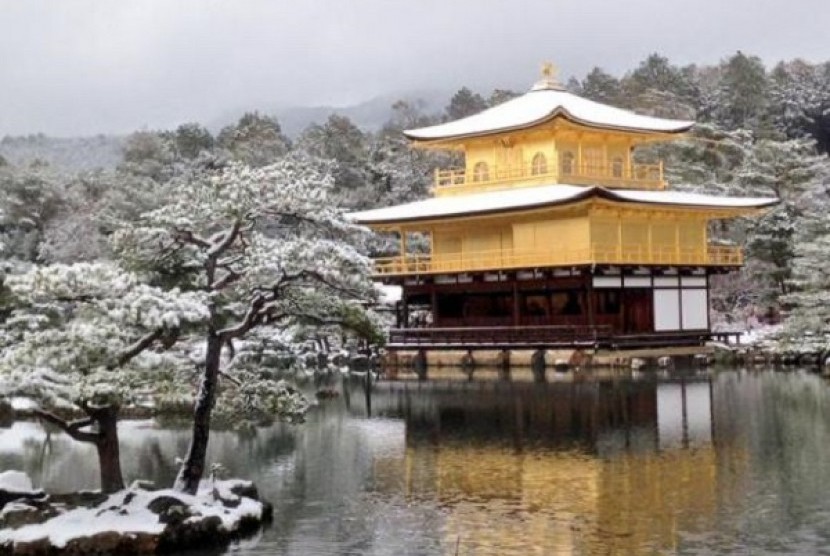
(695,463)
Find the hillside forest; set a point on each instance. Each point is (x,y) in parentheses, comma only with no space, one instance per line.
(762,131)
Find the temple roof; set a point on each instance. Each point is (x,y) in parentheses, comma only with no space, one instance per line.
(509,200)
(544,102)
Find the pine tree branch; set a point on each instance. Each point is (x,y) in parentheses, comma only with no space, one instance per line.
(228,238)
(229,278)
(142,344)
(187,236)
(251,319)
(71,428)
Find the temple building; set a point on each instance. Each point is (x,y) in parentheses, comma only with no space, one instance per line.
(554,234)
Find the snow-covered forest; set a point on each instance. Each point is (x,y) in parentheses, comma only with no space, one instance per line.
(762,131)
(210,271)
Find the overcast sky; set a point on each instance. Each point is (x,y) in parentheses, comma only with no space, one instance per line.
(111,66)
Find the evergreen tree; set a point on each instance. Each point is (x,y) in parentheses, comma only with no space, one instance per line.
(342,142)
(255,140)
(601,87)
(500,96)
(464,103)
(741,95)
(192,139)
(269,251)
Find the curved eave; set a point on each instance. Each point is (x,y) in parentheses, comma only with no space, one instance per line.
(478,213)
(558,112)
(621,197)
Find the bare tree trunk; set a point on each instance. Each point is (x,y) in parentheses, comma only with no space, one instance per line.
(105,440)
(109,455)
(194,464)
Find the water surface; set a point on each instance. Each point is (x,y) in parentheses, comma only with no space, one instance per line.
(732,462)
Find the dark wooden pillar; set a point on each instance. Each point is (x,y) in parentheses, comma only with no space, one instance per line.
(516,311)
(433,301)
(709,306)
(404,311)
(625,327)
(590,303)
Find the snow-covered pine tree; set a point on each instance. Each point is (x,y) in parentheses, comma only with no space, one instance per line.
(88,338)
(268,249)
(807,326)
(788,170)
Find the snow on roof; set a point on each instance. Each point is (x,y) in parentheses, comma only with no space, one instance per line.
(545,103)
(531,197)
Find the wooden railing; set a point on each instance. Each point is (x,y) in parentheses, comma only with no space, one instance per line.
(501,335)
(505,259)
(457,181)
(517,337)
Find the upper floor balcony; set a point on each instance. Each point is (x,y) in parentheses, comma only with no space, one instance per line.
(515,259)
(483,177)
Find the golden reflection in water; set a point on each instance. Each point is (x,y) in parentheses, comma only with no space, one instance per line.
(591,468)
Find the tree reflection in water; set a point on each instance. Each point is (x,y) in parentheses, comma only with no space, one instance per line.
(582,465)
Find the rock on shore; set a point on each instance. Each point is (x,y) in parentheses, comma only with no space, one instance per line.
(134,521)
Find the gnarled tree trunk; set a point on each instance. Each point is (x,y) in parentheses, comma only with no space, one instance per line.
(193,467)
(105,439)
(109,455)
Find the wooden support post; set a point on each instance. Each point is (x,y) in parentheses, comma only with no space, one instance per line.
(537,365)
(404,310)
(619,236)
(433,301)
(468,364)
(591,306)
(504,364)
(403,247)
(516,308)
(419,364)
(676,241)
(605,165)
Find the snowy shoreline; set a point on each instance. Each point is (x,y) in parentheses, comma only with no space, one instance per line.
(133,521)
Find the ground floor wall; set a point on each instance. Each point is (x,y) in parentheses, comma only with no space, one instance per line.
(623,301)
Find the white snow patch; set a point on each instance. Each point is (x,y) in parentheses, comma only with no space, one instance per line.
(15,481)
(761,334)
(23,404)
(131,517)
(389,295)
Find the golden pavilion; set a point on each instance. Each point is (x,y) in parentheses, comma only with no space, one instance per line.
(553,234)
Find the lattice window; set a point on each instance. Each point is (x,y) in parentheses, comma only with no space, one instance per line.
(481,172)
(617,167)
(567,163)
(539,165)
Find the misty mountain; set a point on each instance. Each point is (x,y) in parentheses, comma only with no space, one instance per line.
(369,115)
(71,153)
(104,151)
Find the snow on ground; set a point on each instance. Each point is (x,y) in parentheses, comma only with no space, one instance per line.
(761,334)
(85,522)
(126,512)
(23,404)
